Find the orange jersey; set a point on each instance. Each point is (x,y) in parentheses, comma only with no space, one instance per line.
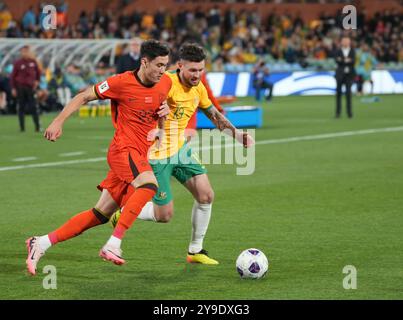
(210,93)
(192,124)
(134,107)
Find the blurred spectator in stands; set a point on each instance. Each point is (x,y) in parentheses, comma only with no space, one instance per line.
(3,95)
(218,63)
(3,102)
(74,79)
(5,19)
(260,74)
(281,36)
(345,74)
(84,24)
(42,95)
(5,86)
(29,21)
(131,60)
(58,88)
(100,73)
(14,31)
(147,21)
(62,8)
(24,82)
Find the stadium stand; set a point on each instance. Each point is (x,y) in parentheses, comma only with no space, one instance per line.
(235,33)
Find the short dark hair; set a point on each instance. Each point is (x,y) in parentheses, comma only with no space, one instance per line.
(152,49)
(192,52)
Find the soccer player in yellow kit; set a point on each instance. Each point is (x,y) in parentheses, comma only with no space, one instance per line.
(172,156)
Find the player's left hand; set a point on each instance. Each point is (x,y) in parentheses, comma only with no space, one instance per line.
(163,110)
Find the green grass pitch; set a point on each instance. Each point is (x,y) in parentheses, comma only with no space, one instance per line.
(312,206)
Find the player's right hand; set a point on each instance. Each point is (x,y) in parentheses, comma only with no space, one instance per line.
(156,135)
(53,132)
(163,110)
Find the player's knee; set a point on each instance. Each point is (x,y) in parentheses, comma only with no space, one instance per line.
(102,216)
(206,197)
(146,177)
(151,186)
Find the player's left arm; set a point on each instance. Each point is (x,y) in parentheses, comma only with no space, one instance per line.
(158,133)
(223,124)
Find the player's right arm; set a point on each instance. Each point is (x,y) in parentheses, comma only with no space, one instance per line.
(211,96)
(54,131)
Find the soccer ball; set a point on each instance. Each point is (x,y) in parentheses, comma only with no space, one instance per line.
(252,263)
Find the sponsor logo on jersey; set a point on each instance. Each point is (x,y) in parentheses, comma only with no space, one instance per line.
(104,86)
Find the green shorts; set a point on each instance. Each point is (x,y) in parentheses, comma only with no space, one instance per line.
(183,166)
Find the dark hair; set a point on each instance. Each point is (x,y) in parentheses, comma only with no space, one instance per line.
(192,52)
(152,49)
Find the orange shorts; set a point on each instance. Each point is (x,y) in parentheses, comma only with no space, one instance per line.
(125,166)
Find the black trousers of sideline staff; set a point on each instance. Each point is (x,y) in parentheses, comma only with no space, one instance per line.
(348,82)
(26,102)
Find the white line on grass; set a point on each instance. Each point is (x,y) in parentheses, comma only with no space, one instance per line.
(52,164)
(71,154)
(331,135)
(313,137)
(270,141)
(24,159)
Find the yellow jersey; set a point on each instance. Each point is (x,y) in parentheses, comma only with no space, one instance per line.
(183,102)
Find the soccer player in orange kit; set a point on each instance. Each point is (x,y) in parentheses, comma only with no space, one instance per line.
(138,103)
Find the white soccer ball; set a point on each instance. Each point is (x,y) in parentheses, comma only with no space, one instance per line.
(252,263)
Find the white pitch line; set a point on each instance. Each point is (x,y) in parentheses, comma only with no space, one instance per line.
(52,164)
(313,137)
(331,135)
(24,159)
(72,154)
(270,141)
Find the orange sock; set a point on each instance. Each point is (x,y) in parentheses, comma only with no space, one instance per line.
(133,207)
(77,225)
